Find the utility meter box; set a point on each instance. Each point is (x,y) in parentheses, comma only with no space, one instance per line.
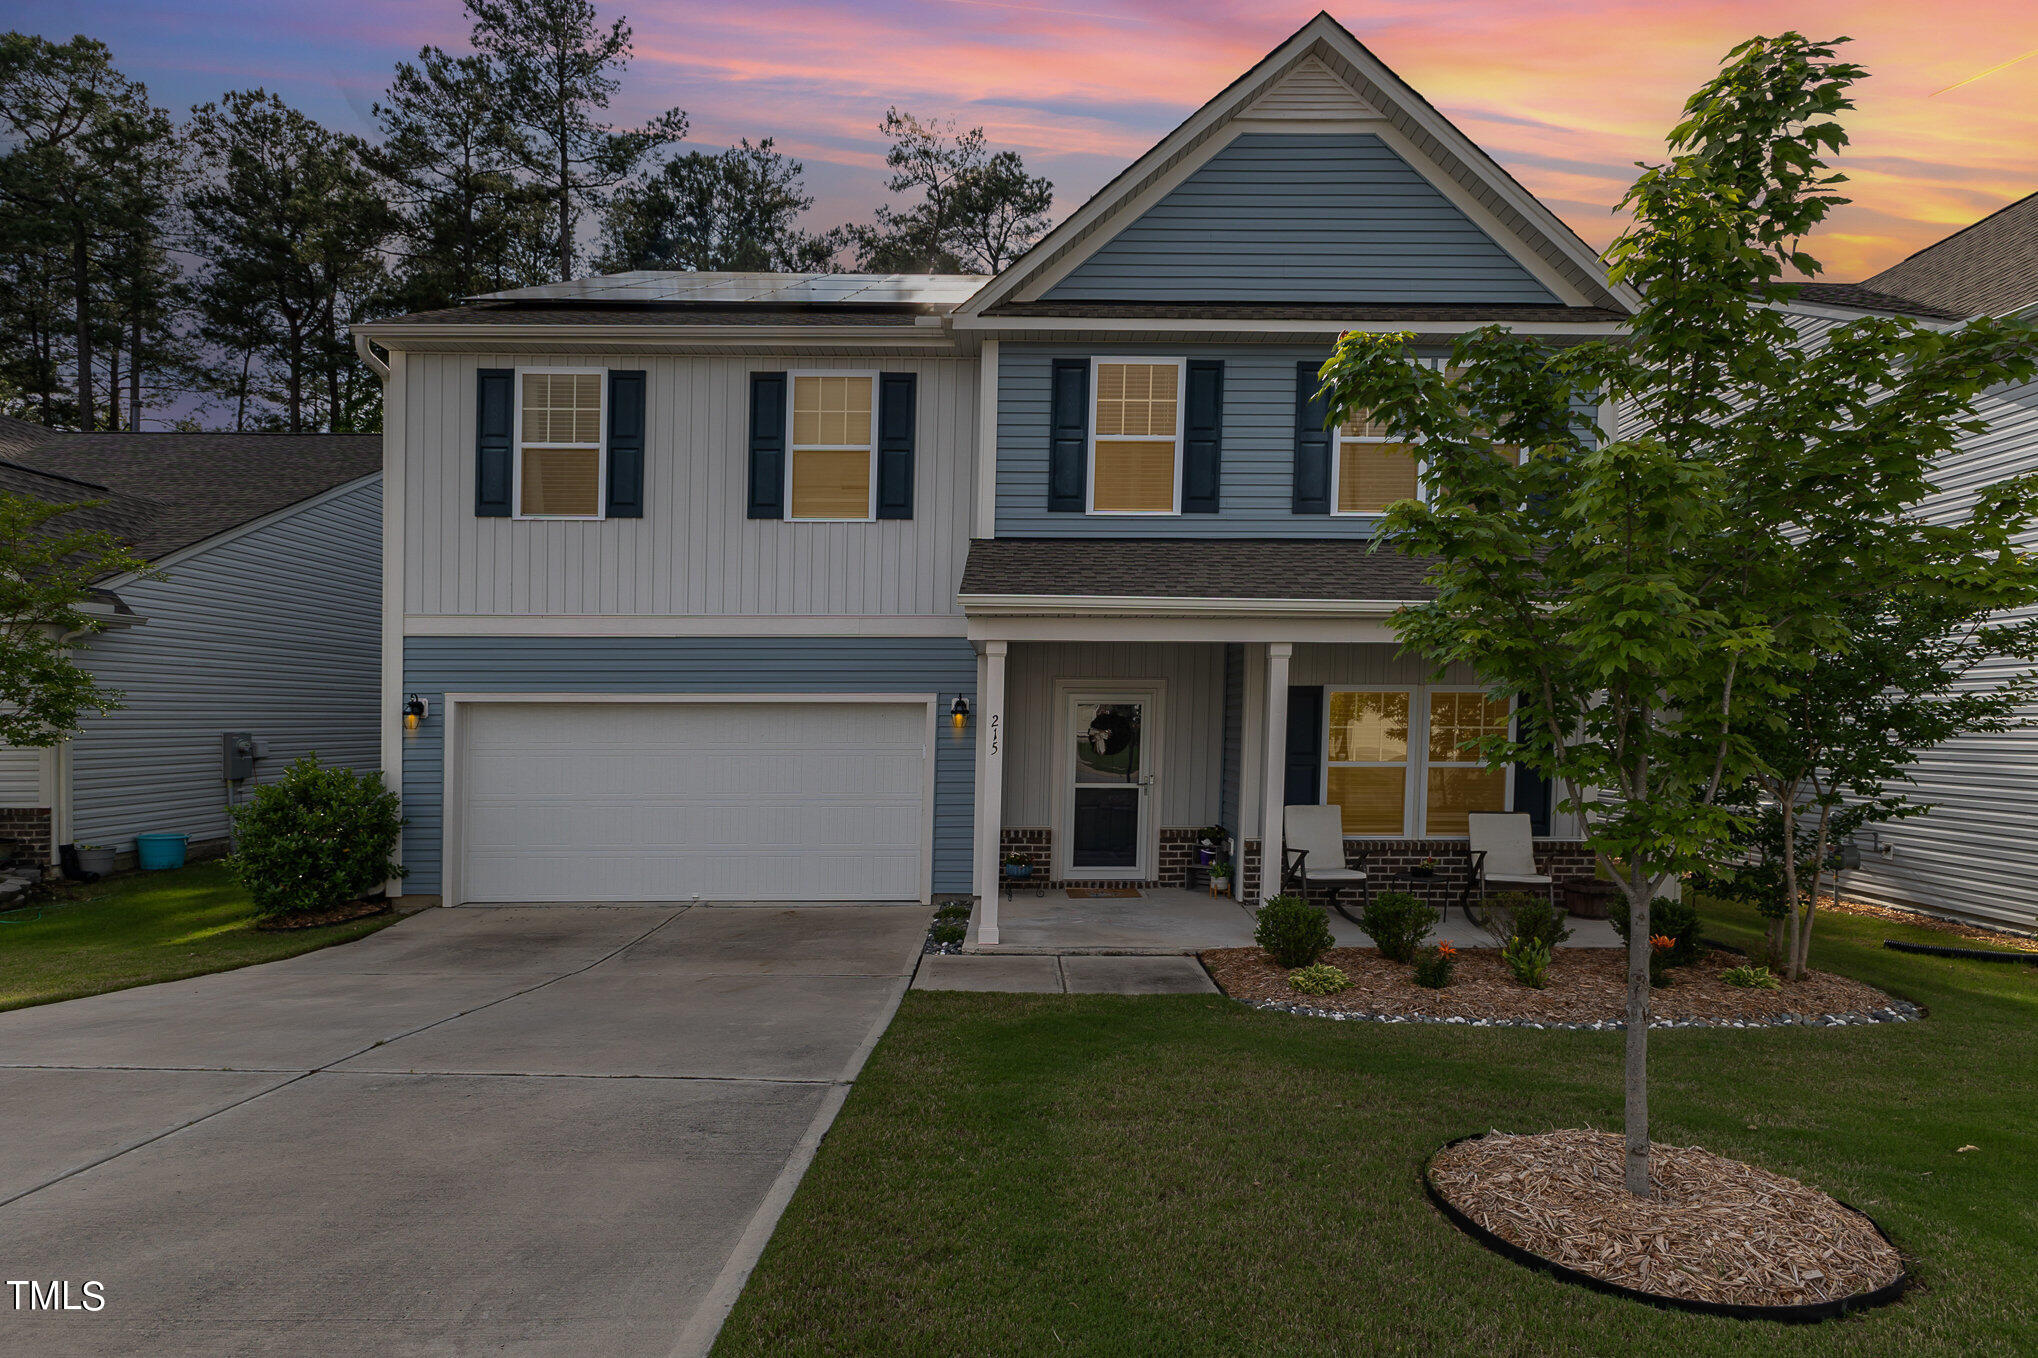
(238,751)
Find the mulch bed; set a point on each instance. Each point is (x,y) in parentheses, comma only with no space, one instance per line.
(1586,985)
(1718,1231)
(1995,938)
(339,914)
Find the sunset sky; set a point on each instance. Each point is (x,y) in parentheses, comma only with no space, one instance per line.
(1565,93)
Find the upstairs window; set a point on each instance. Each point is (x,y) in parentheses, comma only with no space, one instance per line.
(1369,470)
(560,420)
(1136,439)
(832,449)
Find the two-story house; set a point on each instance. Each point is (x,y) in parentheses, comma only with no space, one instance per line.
(842,587)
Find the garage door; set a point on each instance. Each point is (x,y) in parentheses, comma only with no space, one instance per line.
(677,801)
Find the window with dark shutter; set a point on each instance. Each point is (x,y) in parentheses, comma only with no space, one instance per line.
(897,397)
(494,435)
(767,445)
(1069,436)
(626,445)
(1203,437)
(1312,443)
(1305,745)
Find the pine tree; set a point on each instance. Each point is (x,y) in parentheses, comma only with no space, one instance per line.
(735,210)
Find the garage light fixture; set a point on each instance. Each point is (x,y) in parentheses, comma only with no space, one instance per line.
(415,710)
(958,712)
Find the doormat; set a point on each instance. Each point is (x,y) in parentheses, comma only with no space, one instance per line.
(1116,893)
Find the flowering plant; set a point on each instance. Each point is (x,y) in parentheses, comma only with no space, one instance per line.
(1433,966)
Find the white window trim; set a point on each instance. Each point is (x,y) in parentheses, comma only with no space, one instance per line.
(601,451)
(791,448)
(1415,788)
(1090,419)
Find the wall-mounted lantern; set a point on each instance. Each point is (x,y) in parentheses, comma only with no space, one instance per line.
(958,712)
(415,710)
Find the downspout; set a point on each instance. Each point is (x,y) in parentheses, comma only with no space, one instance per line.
(366,349)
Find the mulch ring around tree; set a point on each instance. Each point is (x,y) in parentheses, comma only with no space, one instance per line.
(318,919)
(1720,1235)
(1586,986)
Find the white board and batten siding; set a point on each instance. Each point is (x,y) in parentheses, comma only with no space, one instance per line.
(275,631)
(694,553)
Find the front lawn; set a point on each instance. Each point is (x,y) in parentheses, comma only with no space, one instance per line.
(1105,1175)
(142,928)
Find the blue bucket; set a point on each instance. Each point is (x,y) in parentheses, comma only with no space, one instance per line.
(156,852)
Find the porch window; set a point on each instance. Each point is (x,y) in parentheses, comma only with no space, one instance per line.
(559,445)
(1369,470)
(1136,443)
(1458,784)
(1366,748)
(832,450)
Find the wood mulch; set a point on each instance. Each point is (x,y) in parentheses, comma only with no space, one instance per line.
(339,914)
(1585,985)
(1718,1230)
(1995,938)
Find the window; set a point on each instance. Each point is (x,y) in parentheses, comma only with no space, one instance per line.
(1366,748)
(560,422)
(1458,783)
(832,449)
(1136,440)
(1370,471)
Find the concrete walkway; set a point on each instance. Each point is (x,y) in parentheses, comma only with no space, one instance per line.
(1073,974)
(541,1130)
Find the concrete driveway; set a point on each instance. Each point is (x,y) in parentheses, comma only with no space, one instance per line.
(508,1129)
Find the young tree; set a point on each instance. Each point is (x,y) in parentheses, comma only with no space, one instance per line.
(737,210)
(556,69)
(1652,601)
(977,211)
(47,568)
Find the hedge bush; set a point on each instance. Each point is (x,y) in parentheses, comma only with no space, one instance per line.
(1517,914)
(1293,932)
(1398,923)
(315,839)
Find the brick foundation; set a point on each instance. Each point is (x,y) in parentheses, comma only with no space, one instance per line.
(1036,845)
(1387,862)
(30,825)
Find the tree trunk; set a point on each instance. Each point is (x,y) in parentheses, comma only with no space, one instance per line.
(1636,1117)
(113,389)
(81,298)
(1790,893)
(1801,937)
(565,215)
(134,377)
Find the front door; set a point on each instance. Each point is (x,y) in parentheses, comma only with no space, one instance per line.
(1110,743)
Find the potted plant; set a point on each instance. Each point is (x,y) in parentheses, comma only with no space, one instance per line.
(1220,873)
(1210,842)
(96,859)
(1018,866)
(1426,868)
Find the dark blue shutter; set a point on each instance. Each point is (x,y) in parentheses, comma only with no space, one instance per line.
(897,394)
(1532,794)
(1305,745)
(1312,443)
(767,445)
(494,423)
(1203,437)
(626,445)
(1068,454)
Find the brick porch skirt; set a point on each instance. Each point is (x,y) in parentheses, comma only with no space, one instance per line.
(1036,845)
(30,825)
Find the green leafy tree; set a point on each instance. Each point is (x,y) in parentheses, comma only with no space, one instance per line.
(737,210)
(976,212)
(1653,600)
(556,68)
(47,569)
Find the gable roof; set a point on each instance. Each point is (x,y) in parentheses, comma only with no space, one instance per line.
(1320,47)
(163,492)
(1989,268)
(1861,297)
(19,435)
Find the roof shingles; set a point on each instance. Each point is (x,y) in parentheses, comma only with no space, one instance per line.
(1248,569)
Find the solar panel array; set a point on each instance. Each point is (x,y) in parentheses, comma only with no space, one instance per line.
(644,286)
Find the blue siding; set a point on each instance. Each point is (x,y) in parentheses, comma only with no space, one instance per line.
(1228,792)
(277,631)
(1299,217)
(1256,497)
(434,666)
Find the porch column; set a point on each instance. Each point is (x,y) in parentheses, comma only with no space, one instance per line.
(990,797)
(1253,726)
(1274,771)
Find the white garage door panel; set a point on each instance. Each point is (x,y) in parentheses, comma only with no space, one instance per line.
(669,801)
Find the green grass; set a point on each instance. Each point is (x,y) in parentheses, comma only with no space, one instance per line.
(1181,1175)
(142,928)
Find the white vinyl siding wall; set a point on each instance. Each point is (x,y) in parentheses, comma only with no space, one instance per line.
(695,551)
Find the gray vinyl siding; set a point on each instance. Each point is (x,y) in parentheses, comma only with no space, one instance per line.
(1192,720)
(1302,217)
(1231,786)
(434,666)
(277,631)
(695,552)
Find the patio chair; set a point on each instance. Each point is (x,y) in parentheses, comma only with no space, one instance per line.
(1313,854)
(1503,853)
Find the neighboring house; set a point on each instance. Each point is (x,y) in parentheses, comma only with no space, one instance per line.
(1973,854)
(260,614)
(731,586)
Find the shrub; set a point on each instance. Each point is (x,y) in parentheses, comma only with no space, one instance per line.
(315,839)
(1528,959)
(953,910)
(1750,977)
(1674,920)
(1398,923)
(1433,966)
(1293,932)
(1516,914)
(949,931)
(1320,979)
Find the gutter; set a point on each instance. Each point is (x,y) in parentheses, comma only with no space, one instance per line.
(479,333)
(366,349)
(1120,604)
(1021,325)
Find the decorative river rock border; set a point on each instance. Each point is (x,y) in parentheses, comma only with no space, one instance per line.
(1897,1011)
